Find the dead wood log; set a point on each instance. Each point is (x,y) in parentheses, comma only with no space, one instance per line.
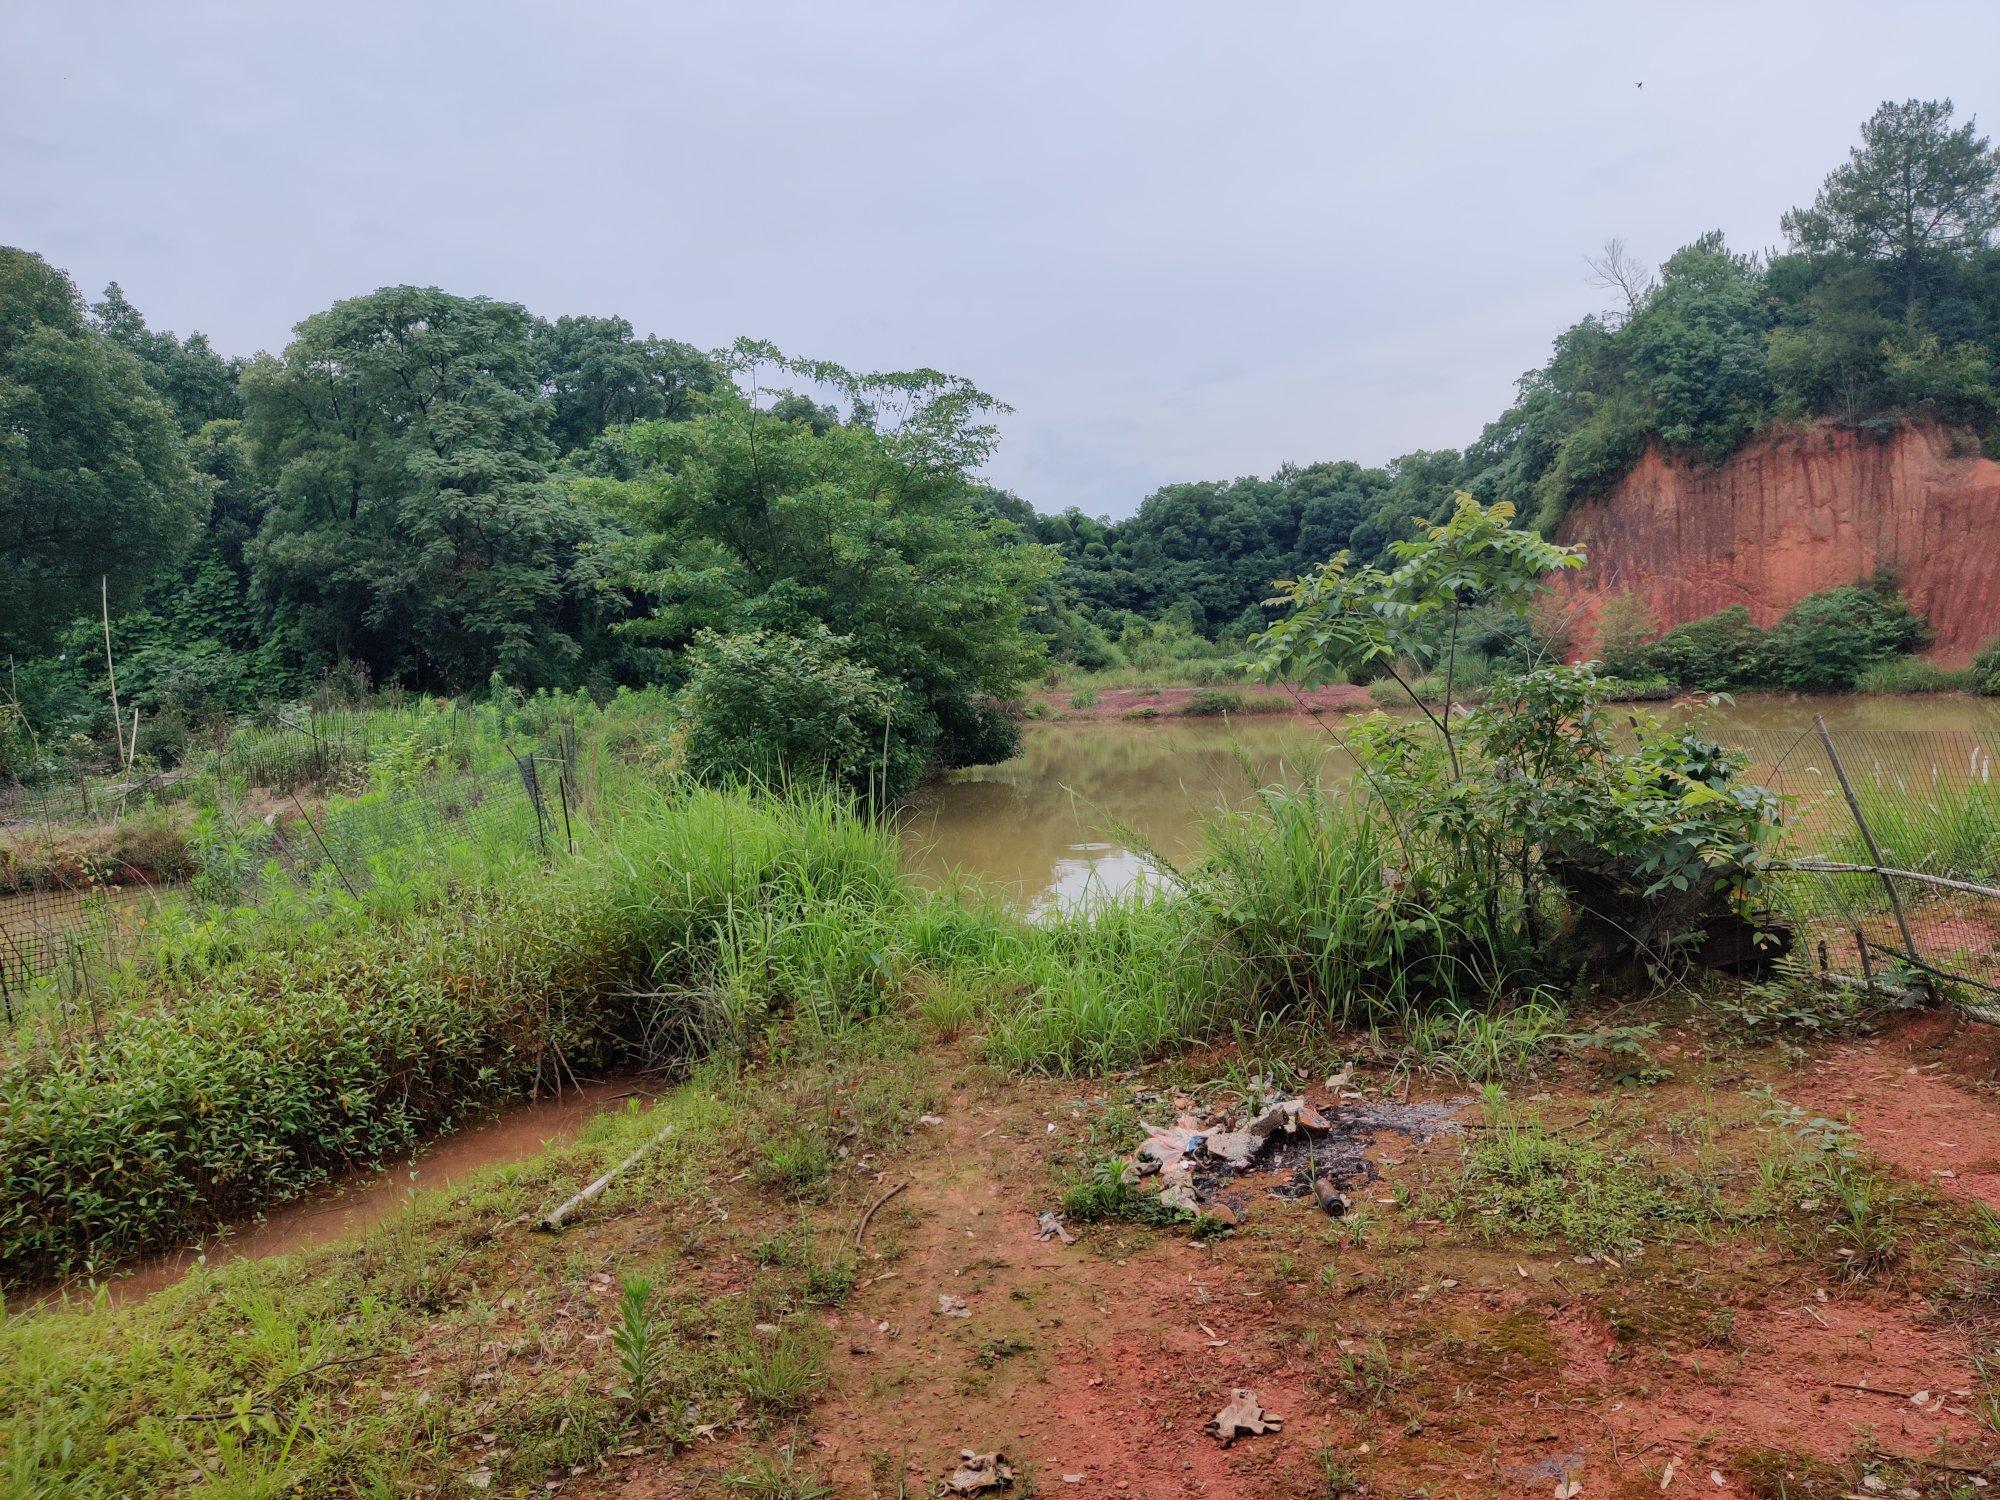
(555,1217)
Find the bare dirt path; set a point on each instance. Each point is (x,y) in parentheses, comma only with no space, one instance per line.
(1925,1097)
(1172,702)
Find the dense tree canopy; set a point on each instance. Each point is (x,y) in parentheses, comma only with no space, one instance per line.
(94,482)
(441,489)
(752,517)
(598,374)
(413,524)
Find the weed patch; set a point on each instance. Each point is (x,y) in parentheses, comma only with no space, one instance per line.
(1520,1178)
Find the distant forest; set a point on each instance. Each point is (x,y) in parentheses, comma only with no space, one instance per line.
(441,491)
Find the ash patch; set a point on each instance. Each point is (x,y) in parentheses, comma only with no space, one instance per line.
(1309,1154)
(1419,1121)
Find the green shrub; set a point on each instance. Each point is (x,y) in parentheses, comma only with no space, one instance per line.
(1626,629)
(1823,644)
(1212,703)
(1720,651)
(1914,674)
(1826,640)
(782,709)
(1986,669)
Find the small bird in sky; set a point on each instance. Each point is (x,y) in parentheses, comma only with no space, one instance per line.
(1640,84)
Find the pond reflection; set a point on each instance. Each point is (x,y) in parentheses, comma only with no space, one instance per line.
(1073,817)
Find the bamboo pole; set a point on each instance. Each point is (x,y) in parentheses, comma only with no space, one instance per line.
(1944,882)
(1867,836)
(553,1219)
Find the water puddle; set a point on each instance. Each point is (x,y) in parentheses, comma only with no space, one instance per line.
(366,1199)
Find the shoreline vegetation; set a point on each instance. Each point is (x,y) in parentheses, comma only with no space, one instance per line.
(807,1008)
(1170,699)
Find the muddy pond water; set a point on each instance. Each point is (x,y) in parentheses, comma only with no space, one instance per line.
(1064,822)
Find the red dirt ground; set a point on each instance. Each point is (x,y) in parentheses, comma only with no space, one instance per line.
(1924,1099)
(1171,702)
(1094,1367)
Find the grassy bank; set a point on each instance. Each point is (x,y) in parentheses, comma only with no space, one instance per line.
(257,1052)
(258,1068)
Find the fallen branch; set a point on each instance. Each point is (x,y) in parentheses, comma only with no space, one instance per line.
(1836,867)
(1929,1463)
(553,1219)
(1871,1390)
(862,1228)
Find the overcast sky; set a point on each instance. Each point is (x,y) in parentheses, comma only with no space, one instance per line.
(1182,240)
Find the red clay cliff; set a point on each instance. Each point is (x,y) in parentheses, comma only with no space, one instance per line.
(1796,511)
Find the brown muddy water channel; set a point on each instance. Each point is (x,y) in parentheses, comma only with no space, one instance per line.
(365,1199)
(1065,822)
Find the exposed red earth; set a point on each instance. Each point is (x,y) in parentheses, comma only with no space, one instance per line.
(1795,511)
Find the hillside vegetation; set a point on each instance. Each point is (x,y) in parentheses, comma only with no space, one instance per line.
(433,491)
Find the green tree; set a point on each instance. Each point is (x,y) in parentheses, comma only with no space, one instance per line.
(198,384)
(1339,618)
(872,527)
(94,482)
(1697,350)
(1916,188)
(600,375)
(412,522)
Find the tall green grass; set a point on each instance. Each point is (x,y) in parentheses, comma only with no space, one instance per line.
(1120,984)
(1337,914)
(257,1074)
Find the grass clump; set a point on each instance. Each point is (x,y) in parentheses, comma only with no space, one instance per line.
(797,1162)
(1104,1196)
(1477,1046)
(1518,1177)
(1121,984)
(780,1374)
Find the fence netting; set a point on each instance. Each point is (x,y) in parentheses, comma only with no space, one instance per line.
(1893,841)
(68,917)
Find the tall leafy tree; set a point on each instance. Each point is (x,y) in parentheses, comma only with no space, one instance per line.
(198,384)
(94,482)
(600,375)
(1916,188)
(760,514)
(413,525)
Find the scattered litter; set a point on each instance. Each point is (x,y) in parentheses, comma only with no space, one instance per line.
(1667,1474)
(953,1307)
(1049,1227)
(1243,1415)
(1568,1488)
(930,1119)
(1072,1479)
(977,1473)
(1315,1154)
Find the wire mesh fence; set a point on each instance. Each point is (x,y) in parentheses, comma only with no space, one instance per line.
(60,927)
(73,916)
(1893,838)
